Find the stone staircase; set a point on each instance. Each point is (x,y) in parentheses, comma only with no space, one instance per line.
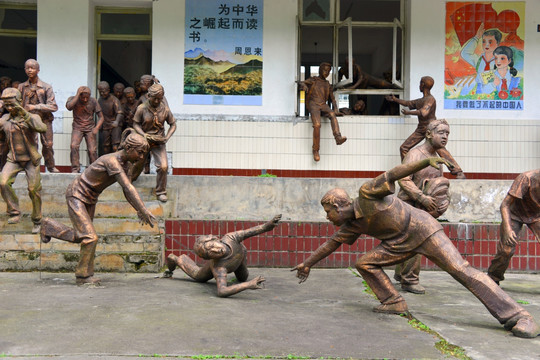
(124,244)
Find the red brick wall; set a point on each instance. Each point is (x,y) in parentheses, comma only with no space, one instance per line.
(292,242)
(366,174)
(317,173)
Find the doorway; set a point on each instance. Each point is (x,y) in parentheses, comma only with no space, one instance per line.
(124,47)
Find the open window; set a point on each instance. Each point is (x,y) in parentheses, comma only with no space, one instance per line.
(363,38)
(18,34)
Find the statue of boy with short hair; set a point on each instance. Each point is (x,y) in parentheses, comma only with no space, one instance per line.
(129,106)
(318,93)
(21,128)
(149,121)
(405,231)
(84,126)
(112,111)
(520,206)
(118,92)
(426,189)
(38,98)
(425,108)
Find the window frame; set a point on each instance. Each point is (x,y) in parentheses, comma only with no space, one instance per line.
(396,25)
(114,10)
(18,33)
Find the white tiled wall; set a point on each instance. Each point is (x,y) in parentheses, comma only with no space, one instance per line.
(486,146)
(62,141)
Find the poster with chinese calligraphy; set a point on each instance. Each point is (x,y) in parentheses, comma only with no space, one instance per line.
(223,52)
(484,55)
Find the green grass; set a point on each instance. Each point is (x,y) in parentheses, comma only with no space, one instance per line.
(442,345)
(367,289)
(235,356)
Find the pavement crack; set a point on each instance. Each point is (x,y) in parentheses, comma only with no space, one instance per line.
(442,345)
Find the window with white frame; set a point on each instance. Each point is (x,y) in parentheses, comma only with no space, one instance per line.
(359,37)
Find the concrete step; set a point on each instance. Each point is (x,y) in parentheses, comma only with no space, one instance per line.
(112,202)
(23,253)
(104,209)
(103,226)
(124,245)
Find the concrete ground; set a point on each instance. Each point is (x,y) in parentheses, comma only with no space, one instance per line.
(138,315)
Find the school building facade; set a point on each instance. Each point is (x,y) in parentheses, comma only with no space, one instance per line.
(80,42)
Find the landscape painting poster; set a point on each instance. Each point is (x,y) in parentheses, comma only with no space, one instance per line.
(223,52)
(484,55)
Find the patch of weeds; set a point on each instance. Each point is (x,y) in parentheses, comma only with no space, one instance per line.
(442,345)
(525,302)
(32,256)
(368,290)
(235,356)
(450,349)
(267,175)
(70,257)
(154,356)
(417,324)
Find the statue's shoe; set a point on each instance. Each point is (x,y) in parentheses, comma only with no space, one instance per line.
(395,308)
(413,288)
(526,327)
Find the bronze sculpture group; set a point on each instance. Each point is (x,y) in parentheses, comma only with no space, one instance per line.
(146,115)
(406,224)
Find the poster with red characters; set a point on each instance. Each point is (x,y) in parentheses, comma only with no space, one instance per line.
(484,55)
